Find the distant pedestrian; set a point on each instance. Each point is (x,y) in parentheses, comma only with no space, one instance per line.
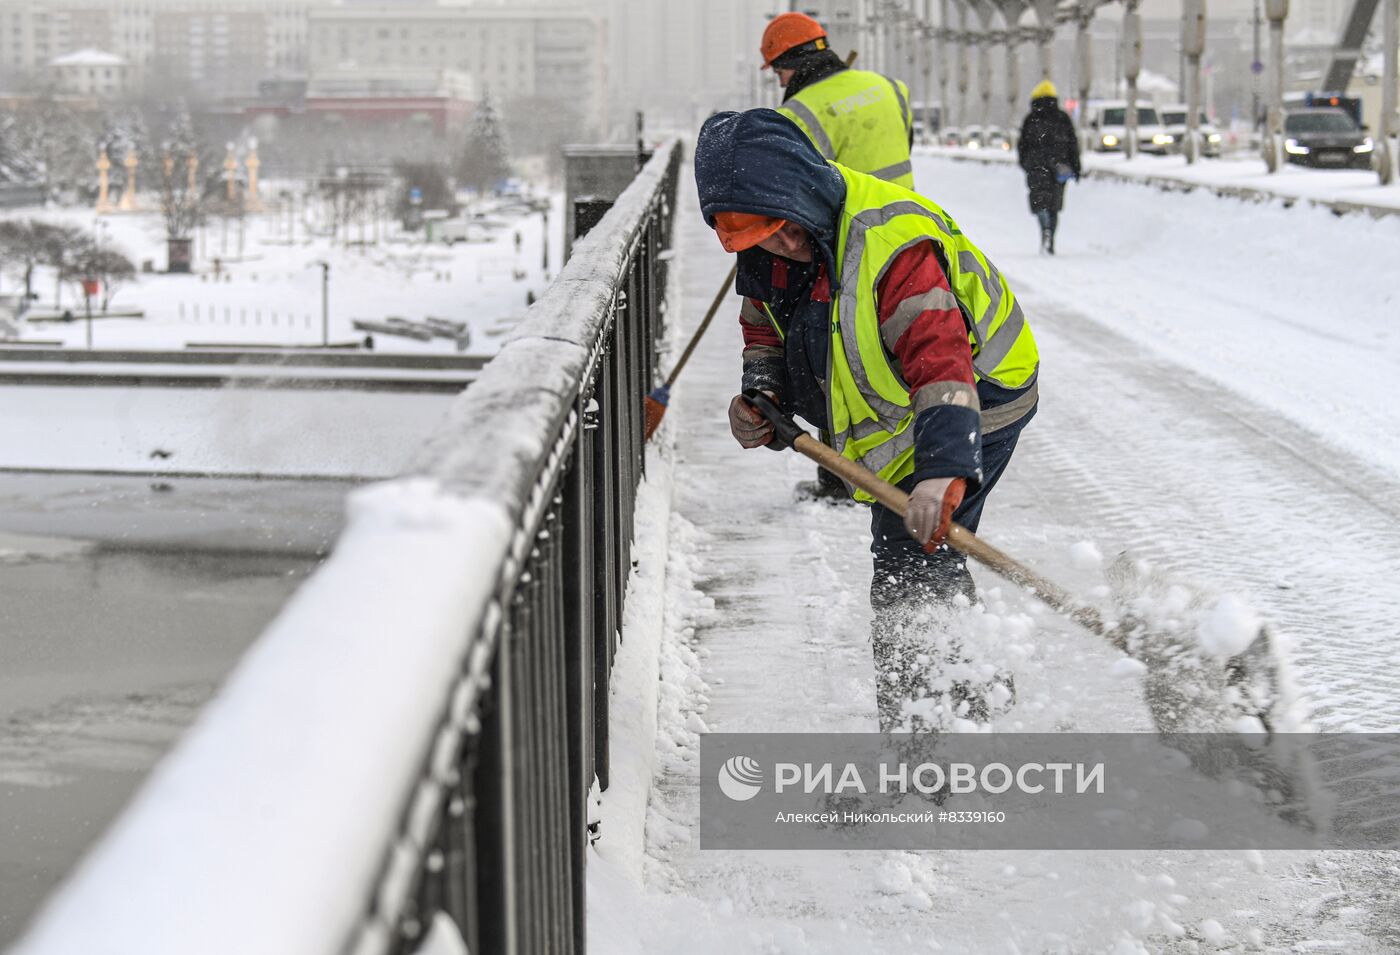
(1049,151)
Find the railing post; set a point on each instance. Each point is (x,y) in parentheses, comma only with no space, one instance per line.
(581,703)
(604,554)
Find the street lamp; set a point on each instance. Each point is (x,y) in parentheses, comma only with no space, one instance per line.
(544,239)
(325,301)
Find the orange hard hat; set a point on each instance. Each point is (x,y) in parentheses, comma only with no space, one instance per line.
(744,230)
(787,31)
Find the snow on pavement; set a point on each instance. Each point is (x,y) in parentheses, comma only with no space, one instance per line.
(1215,468)
(1235,172)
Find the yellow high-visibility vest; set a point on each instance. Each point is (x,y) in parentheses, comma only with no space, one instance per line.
(859,119)
(870,412)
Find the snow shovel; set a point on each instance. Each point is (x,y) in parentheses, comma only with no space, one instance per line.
(1188,689)
(657,401)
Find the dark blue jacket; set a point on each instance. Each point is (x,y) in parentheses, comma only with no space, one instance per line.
(760,162)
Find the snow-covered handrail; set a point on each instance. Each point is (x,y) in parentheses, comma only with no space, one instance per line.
(408,748)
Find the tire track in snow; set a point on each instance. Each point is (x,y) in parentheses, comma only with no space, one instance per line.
(1211,495)
(1128,479)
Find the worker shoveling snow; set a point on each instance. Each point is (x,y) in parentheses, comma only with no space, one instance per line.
(1211,666)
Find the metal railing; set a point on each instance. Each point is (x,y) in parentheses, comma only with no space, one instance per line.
(417,734)
(543,734)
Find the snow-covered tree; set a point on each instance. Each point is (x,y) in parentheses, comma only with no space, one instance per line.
(60,141)
(17,164)
(108,267)
(26,244)
(484,160)
(182,194)
(435,192)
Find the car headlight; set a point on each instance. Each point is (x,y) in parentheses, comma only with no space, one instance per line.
(1110,140)
(1365,147)
(1161,139)
(973,144)
(1213,138)
(1291,146)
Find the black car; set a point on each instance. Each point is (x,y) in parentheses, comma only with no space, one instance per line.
(1326,137)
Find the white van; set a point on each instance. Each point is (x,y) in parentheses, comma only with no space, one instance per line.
(1108,131)
(1173,117)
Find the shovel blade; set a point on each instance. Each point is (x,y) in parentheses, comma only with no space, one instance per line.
(1205,677)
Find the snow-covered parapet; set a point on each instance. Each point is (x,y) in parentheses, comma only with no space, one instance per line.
(298,812)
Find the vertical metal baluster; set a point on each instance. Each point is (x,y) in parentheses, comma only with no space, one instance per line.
(564,794)
(463,865)
(500,830)
(603,562)
(539,785)
(624,383)
(578,628)
(528,748)
(556,764)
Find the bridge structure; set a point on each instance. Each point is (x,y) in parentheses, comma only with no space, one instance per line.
(915,38)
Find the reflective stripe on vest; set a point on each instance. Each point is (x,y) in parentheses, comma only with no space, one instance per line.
(894,173)
(811,126)
(869,405)
(904,112)
(859,119)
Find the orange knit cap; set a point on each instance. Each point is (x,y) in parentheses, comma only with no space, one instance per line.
(744,230)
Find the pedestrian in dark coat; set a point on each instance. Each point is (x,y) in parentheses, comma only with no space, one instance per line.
(1049,151)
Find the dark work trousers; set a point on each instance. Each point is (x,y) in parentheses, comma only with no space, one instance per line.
(907,579)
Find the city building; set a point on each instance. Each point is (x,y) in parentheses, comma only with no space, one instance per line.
(211,48)
(29,39)
(90,73)
(522,54)
(436,100)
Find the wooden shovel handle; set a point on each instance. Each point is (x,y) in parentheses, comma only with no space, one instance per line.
(700,331)
(959,537)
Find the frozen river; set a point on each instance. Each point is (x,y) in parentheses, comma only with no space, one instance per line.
(124,602)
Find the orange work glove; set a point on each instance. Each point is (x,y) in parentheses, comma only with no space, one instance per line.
(931,508)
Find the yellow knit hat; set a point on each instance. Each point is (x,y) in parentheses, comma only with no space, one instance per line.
(1045,89)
